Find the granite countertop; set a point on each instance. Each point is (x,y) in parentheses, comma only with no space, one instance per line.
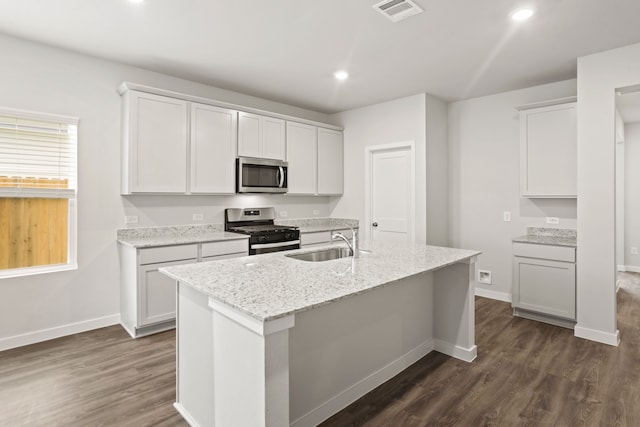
(270,286)
(146,237)
(549,236)
(315,225)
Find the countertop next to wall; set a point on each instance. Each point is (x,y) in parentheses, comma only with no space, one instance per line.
(143,237)
(549,236)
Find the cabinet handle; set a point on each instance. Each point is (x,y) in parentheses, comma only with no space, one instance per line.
(375,224)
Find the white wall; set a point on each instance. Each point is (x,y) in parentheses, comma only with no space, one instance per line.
(598,77)
(437,171)
(631,189)
(40,78)
(393,121)
(484,160)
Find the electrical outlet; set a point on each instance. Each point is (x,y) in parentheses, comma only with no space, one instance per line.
(284,214)
(484,276)
(634,250)
(131,219)
(553,220)
(316,212)
(506,216)
(197,217)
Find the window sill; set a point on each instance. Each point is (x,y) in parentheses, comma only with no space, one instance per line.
(30,271)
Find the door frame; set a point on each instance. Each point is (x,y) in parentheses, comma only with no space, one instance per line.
(369,152)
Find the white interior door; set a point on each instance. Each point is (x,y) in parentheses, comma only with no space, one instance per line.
(391,193)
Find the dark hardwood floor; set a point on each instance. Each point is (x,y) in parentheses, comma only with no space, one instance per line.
(526,374)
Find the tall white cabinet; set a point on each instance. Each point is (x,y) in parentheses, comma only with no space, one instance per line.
(548,149)
(315,157)
(154,144)
(213,149)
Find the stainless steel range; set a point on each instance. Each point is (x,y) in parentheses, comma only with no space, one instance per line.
(264,235)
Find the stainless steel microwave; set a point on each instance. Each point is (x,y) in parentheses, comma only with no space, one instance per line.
(261,175)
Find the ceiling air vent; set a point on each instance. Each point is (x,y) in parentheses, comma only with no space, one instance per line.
(397,10)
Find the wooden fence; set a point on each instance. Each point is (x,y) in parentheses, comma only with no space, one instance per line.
(33,231)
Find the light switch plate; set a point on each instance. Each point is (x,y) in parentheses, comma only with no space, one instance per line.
(284,214)
(506,215)
(553,220)
(634,250)
(197,217)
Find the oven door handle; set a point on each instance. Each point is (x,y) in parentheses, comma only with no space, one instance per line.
(275,245)
(281,174)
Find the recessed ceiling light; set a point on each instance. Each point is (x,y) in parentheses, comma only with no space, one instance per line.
(136,1)
(522,14)
(341,75)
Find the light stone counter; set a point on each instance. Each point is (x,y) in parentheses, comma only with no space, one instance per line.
(549,236)
(146,237)
(270,286)
(315,225)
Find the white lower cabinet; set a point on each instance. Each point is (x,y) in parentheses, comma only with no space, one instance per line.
(544,283)
(148,297)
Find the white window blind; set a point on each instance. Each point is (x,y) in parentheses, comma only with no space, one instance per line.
(37,155)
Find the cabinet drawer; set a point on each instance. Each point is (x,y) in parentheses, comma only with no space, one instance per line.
(167,253)
(557,253)
(315,238)
(225,247)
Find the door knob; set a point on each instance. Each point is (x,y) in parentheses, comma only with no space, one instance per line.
(375,224)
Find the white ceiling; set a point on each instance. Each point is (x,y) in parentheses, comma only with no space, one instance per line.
(287,50)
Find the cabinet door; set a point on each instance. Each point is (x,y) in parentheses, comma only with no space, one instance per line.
(545,286)
(249,135)
(157,144)
(330,161)
(156,294)
(213,149)
(548,162)
(302,156)
(273,138)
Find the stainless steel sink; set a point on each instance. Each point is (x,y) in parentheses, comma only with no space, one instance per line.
(326,254)
(322,255)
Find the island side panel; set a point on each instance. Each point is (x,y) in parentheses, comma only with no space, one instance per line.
(342,350)
(194,357)
(251,369)
(454,310)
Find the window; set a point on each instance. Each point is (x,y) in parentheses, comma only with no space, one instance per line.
(38,169)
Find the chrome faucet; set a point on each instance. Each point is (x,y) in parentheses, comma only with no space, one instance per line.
(353,245)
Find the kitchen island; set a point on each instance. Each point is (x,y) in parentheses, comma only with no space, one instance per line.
(270,340)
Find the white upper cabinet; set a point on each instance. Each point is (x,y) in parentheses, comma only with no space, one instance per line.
(155,144)
(330,162)
(261,136)
(548,149)
(315,157)
(302,157)
(213,149)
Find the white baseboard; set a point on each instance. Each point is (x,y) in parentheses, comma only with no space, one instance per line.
(185,415)
(631,268)
(464,354)
(362,387)
(598,336)
(57,332)
(486,293)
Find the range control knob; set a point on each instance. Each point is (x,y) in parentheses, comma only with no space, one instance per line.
(262,239)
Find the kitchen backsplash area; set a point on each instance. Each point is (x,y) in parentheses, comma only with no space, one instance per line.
(151,211)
